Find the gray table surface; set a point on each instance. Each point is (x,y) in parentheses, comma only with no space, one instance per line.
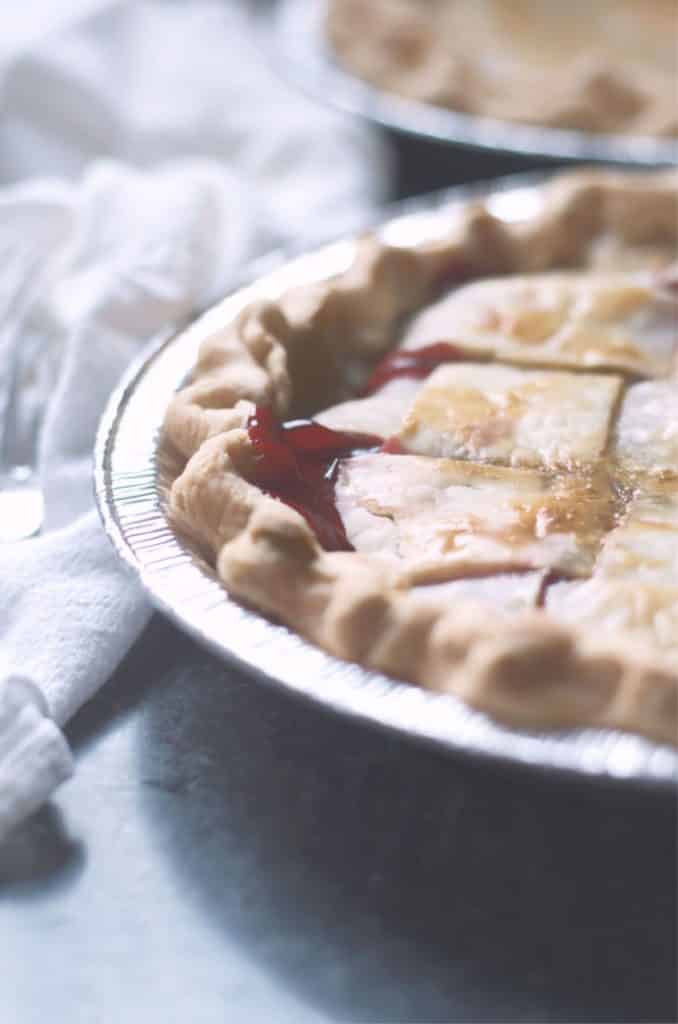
(226,853)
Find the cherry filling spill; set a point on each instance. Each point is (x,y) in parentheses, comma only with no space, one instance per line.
(298,461)
(417,363)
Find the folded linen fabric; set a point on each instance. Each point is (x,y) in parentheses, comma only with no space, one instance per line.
(215,163)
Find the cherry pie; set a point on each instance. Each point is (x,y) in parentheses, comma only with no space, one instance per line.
(484,500)
(601,65)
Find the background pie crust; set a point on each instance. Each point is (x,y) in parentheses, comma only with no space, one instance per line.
(522,666)
(602,66)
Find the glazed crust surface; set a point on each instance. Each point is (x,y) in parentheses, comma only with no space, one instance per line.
(533,667)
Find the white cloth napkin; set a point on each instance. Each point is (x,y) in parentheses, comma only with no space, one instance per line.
(208,161)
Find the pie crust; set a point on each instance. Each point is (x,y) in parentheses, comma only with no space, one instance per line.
(608,66)
(519,547)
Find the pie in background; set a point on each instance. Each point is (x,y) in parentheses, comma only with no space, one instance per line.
(485,501)
(598,65)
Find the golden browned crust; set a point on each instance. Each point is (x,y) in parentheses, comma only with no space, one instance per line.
(523,668)
(544,63)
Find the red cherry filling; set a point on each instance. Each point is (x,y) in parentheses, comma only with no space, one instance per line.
(297,462)
(417,363)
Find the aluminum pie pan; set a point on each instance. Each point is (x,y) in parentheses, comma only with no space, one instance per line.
(294,30)
(133,470)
